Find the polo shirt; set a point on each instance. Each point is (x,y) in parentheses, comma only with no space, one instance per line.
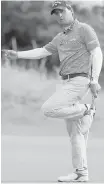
(73,47)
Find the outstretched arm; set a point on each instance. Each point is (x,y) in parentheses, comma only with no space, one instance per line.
(37,53)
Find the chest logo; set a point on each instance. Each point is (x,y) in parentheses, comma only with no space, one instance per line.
(65,42)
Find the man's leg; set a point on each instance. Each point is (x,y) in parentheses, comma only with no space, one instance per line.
(78,142)
(79,158)
(86,137)
(79,137)
(64,103)
(78,131)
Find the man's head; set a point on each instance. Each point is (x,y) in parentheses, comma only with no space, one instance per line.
(63,11)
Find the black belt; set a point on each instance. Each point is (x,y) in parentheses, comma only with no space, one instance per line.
(69,76)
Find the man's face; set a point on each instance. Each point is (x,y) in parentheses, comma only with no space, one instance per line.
(63,17)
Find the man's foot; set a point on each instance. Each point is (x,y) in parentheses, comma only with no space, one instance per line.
(74,177)
(90,110)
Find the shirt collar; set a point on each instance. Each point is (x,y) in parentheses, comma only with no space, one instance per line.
(70,27)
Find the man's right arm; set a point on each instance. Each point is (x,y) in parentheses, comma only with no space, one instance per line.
(37,53)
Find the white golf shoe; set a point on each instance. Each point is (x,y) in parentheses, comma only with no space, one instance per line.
(74,177)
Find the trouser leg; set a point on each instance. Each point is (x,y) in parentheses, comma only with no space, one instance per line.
(78,143)
(64,103)
(86,137)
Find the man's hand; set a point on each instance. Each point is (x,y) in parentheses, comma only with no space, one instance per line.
(10,54)
(95,88)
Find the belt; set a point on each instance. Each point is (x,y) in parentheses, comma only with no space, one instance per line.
(69,76)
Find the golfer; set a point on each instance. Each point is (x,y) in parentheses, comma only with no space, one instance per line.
(80,65)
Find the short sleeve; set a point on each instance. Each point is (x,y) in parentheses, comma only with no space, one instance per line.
(89,37)
(52,46)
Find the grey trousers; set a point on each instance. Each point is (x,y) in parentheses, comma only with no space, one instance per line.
(65,104)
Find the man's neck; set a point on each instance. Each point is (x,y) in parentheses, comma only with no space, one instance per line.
(68,26)
(65,26)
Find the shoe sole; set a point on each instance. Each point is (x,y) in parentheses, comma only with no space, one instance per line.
(81,179)
(73,181)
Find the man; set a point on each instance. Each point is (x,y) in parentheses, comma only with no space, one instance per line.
(80,65)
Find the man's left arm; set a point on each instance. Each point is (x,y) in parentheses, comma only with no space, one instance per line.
(93,46)
(97,60)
